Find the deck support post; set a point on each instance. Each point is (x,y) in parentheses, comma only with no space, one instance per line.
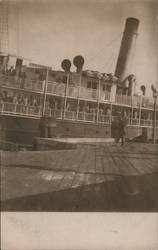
(154,119)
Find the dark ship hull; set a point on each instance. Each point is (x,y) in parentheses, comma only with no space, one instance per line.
(23,130)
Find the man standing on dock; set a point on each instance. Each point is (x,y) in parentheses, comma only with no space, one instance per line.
(121,129)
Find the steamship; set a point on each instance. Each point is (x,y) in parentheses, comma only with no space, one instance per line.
(73,104)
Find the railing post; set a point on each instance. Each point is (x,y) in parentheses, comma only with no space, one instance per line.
(2,107)
(84,116)
(65,95)
(154,119)
(131,118)
(140,110)
(79,93)
(45,93)
(110,118)
(27,110)
(98,101)
(15,108)
(78,102)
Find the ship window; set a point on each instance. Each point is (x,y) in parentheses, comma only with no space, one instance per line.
(108,88)
(53,74)
(89,85)
(104,88)
(92,85)
(58,79)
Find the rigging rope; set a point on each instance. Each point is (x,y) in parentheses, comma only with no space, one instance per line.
(132,64)
(107,45)
(108,62)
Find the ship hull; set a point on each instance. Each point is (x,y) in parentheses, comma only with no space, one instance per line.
(23,130)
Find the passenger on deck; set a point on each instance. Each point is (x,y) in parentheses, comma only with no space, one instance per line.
(15,100)
(101,111)
(26,102)
(108,112)
(22,77)
(135,115)
(68,107)
(20,99)
(87,109)
(142,116)
(34,102)
(149,117)
(55,105)
(125,113)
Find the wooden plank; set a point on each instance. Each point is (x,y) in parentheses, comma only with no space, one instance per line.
(87,163)
(78,180)
(140,165)
(125,166)
(67,180)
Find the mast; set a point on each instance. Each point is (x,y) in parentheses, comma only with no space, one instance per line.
(4,43)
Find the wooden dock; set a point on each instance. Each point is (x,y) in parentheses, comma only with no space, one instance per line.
(93,177)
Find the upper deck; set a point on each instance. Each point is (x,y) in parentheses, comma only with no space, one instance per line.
(88,96)
(76,86)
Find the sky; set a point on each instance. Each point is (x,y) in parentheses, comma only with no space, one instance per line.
(49,31)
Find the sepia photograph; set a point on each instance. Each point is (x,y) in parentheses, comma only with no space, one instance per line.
(79,106)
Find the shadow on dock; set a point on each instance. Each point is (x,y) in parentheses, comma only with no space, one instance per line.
(125,194)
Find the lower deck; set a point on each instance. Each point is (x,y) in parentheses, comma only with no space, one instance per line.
(23,130)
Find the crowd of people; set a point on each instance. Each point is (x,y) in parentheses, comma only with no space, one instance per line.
(18,98)
(22,79)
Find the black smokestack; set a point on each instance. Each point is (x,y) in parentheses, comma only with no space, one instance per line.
(126,49)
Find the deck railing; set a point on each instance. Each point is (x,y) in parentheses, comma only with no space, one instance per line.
(146,123)
(134,122)
(34,85)
(123,99)
(15,82)
(90,117)
(104,96)
(136,101)
(72,92)
(89,94)
(147,102)
(105,119)
(55,88)
(70,115)
(32,111)
(81,116)
(54,112)
(18,109)
(10,81)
